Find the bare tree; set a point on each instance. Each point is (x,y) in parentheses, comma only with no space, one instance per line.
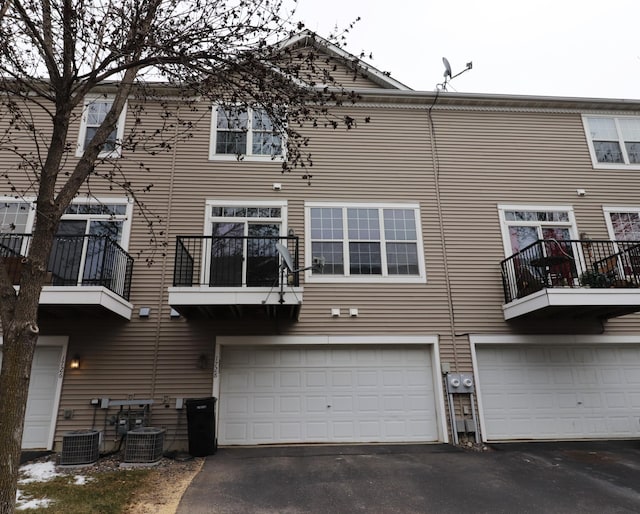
(53,53)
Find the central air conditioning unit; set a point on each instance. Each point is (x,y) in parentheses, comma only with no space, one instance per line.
(144,445)
(80,447)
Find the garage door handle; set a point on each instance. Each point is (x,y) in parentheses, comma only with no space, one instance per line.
(328,406)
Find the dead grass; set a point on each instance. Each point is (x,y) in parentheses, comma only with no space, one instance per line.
(111,489)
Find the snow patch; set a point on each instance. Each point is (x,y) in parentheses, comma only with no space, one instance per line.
(28,503)
(38,472)
(80,480)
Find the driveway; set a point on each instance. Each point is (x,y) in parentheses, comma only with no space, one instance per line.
(599,477)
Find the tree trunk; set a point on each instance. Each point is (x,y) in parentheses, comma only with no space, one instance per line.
(20,335)
(19,345)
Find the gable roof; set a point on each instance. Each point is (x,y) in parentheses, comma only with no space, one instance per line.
(309,38)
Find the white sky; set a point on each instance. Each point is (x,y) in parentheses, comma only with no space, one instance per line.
(580,48)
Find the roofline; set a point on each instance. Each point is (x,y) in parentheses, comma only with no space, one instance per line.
(445,98)
(377,76)
(494,99)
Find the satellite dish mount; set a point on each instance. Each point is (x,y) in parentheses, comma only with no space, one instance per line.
(448,77)
(287,267)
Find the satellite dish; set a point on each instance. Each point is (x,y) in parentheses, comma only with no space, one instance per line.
(447,68)
(286,256)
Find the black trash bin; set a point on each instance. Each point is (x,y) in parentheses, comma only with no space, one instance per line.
(201,426)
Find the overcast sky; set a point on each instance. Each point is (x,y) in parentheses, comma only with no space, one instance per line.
(582,48)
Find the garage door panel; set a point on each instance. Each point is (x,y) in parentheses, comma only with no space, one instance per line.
(632,376)
(342,378)
(290,379)
(327,394)
(589,392)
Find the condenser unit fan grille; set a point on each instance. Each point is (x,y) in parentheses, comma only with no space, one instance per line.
(144,445)
(80,447)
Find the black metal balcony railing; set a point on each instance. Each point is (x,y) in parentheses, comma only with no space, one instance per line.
(551,263)
(87,260)
(226,261)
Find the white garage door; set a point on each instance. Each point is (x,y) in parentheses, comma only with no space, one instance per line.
(560,392)
(42,400)
(336,394)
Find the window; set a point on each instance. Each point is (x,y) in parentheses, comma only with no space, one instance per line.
(16,220)
(524,225)
(613,141)
(244,132)
(95,110)
(365,242)
(241,251)
(623,223)
(16,217)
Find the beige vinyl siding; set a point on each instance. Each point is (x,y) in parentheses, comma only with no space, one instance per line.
(314,68)
(529,158)
(485,158)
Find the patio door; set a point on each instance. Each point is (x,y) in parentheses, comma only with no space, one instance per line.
(244,254)
(79,255)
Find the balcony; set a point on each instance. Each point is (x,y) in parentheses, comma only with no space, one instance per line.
(235,277)
(87,275)
(573,278)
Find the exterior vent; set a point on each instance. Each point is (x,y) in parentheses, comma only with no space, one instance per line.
(80,447)
(144,445)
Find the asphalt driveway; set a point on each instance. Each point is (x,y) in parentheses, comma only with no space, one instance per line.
(599,477)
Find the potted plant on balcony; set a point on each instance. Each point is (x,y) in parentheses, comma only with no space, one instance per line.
(594,279)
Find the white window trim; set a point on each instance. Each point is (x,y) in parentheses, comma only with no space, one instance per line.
(421,278)
(504,224)
(213,156)
(31,217)
(83,128)
(608,209)
(126,226)
(208,218)
(592,152)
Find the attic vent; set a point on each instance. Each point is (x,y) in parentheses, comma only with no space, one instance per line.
(144,445)
(80,447)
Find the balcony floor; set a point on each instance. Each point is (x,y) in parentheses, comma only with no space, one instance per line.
(575,302)
(91,301)
(236,302)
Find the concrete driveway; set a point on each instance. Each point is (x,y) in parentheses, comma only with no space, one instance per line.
(545,478)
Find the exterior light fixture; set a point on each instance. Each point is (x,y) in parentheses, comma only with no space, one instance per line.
(75,362)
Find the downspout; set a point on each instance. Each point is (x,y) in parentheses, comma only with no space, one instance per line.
(163,280)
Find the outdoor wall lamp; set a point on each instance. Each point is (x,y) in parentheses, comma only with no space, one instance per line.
(75,362)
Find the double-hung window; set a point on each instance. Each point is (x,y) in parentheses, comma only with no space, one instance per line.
(244,132)
(94,112)
(364,242)
(614,141)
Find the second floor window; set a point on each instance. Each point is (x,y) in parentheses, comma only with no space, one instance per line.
(240,131)
(623,224)
(366,242)
(614,141)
